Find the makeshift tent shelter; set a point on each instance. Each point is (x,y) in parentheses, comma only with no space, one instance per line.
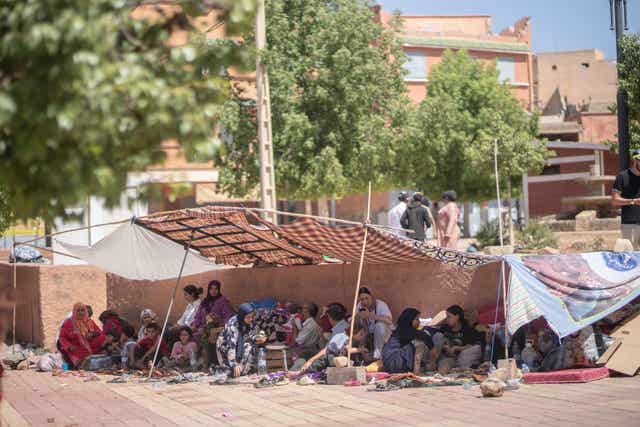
(571,291)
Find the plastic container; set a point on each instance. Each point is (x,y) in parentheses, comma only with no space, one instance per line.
(65,366)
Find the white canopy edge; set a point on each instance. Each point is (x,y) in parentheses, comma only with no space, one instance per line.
(137,253)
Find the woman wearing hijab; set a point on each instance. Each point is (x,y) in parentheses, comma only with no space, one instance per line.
(80,337)
(215,308)
(406,346)
(236,343)
(147,316)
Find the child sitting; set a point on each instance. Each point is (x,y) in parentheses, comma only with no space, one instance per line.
(128,346)
(185,350)
(146,347)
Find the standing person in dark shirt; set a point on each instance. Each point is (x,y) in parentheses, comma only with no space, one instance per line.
(417,218)
(458,344)
(626,193)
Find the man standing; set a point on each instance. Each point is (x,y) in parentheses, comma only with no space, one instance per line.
(395,213)
(417,218)
(375,316)
(626,193)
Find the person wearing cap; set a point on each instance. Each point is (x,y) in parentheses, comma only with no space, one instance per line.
(626,194)
(375,316)
(396,213)
(417,217)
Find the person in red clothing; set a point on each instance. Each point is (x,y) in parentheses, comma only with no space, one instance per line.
(146,347)
(80,337)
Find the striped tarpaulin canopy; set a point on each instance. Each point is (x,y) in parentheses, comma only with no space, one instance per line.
(237,236)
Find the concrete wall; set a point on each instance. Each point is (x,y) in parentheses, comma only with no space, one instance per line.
(429,287)
(46,293)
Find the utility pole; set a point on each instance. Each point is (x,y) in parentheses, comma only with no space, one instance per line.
(267,169)
(618,14)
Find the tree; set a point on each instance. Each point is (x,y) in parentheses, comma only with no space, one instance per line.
(89,90)
(630,82)
(454,128)
(337,102)
(6,213)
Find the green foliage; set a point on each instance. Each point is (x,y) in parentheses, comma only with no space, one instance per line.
(338,103)
(88,93)
(629,80)
(6,213)
(536,235)
(452,142)
(489,234)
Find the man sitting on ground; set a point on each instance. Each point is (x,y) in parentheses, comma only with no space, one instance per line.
(375,316)
(336,314)
(332,355)
(307,339)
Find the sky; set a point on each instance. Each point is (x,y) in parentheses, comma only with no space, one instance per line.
(557,25)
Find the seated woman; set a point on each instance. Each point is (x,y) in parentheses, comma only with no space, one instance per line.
(406,348)
(147,316)
(192,295)
(146,347)
(80,337)
(375,315)
(236,343)
(215,308)
(457,344)
(185,350)
(335,348)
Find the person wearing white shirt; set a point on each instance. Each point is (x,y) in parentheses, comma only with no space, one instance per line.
(192,295)
(396,213)
(307,338)
(375,315)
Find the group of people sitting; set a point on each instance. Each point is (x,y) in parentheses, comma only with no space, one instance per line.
(211,333)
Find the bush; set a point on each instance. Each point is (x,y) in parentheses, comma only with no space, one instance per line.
(489,234)
(536,235)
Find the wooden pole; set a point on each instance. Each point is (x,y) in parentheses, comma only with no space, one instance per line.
(355,297)
(502,269)
(15,292)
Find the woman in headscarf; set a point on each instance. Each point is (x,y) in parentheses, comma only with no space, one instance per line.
(214,308)
(406,347)
(237,341)
(111,323)
(458,344)
(80,337)
(147,316)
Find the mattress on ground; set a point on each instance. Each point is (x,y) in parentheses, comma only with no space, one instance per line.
(583,375)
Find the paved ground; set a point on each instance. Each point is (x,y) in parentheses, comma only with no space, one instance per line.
(40,399)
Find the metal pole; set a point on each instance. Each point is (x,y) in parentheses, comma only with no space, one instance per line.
(360,266)
(173,297)
(268,198)
(15,292)
(495,161)
(623,111)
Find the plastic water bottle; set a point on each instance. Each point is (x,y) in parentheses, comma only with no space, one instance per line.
(65,366)
(262,362)
(194,360)
(125,361)
(525,369)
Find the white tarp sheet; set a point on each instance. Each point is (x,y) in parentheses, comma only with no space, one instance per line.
(136,253)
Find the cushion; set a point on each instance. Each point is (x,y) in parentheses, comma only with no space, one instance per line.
(583,375)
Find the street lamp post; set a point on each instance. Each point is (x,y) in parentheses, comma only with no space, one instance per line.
(618,12)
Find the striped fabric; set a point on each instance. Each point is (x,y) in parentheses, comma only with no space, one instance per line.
(236,236)
(522,309)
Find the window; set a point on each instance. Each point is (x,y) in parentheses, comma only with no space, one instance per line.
(507,69)
(551,170)
(554,67)
(585,65)
(416,65)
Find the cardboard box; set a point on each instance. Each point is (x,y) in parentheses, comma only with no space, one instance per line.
(624,357)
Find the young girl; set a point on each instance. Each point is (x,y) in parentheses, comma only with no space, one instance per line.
(185,349)
(128,346)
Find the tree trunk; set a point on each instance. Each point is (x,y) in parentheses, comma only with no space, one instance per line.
(332,208)
(510,213)
(467,219)
(307,207)
(323,208)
